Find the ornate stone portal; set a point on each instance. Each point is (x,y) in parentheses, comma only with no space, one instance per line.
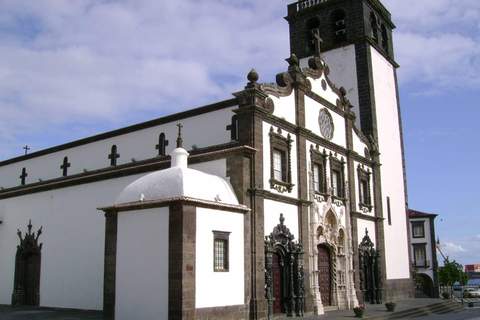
(284,275)
(331,255)
(26,289)
(370,272)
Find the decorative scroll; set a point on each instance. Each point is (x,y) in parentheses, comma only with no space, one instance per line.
(280,242)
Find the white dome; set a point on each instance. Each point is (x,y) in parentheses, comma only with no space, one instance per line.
(176,181)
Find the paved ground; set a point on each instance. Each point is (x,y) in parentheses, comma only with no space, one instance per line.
(41,313)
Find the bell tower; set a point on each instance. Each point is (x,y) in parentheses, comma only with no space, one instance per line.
(356,43)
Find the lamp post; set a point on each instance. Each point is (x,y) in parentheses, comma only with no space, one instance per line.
(460,269)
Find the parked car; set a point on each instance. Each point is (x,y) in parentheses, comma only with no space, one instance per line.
(471,293)
(457,287)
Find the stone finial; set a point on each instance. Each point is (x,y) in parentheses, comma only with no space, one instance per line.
(292,60)
(253,76)
(179,138)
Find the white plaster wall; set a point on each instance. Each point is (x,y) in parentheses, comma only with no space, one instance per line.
(202,131)
(389,141)
(73,242)
(215,289)
(327,94)
(358,145)
(142,264)
(215,167)
(312,110)
(370,227)
(284,107)
(272,210)
(343,73)
(266,160)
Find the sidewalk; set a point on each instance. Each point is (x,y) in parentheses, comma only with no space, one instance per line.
(374,311)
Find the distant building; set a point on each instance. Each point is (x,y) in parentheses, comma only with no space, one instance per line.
(424,255)
(473,271)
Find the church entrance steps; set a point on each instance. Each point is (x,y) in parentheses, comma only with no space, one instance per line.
(330,308)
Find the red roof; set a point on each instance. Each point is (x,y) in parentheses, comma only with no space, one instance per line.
(419,214)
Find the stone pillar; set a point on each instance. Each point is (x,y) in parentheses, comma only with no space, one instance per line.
(181,266)
(110,264)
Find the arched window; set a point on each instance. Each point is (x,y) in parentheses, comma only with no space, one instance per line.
(311,25)
(374,27)
(339,26)
(384,38)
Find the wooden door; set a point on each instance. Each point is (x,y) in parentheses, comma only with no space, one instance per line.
(277,285)
(324,282)
(32,279)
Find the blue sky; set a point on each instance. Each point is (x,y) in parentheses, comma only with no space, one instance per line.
(72,69)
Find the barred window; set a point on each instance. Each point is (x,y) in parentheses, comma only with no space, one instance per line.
(220,251)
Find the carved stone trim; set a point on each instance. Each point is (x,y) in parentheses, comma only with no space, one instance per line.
(290,253)
(27,268)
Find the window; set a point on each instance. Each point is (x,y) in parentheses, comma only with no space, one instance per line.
(420,257)
(336,183)
(312,24)
(280,163)
(277,165)
(339,26)
(364,193)
(336,176)
(318,160)
(220,251)
(384,38)
(418,229)
(389,212)
(374,27)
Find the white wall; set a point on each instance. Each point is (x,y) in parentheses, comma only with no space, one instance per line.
(202,130)
(142,264)
(343,73)
(284,107)
(215,289)
(272,210)
(312,110)
(389,141)
(73,242)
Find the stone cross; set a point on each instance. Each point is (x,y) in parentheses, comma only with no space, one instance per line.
(26,149)
(65,166)
(23,176)
(317,40)
(113,156)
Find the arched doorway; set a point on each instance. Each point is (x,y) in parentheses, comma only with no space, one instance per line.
(427,285)
(284,275)
(324,274)
(26,289)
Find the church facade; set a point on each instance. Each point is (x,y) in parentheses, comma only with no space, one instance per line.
(290,199)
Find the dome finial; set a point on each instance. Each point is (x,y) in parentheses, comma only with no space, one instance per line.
(179,139)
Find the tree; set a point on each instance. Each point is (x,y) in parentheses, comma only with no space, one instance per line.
(449,273)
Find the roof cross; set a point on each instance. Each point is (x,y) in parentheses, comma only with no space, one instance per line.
(26,149)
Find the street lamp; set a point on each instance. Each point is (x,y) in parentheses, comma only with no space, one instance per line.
(460,269)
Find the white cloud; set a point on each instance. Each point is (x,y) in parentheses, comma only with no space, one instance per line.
(451,247)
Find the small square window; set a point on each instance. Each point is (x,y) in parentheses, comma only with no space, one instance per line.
(337,177)
(418,229)
(220,251)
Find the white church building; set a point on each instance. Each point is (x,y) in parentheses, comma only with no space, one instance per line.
(289,198)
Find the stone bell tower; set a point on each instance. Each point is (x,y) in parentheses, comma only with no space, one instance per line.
(356,43)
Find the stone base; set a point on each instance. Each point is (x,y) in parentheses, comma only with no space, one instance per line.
(399,289)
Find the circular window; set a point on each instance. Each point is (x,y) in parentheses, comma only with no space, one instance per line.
(326,124)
